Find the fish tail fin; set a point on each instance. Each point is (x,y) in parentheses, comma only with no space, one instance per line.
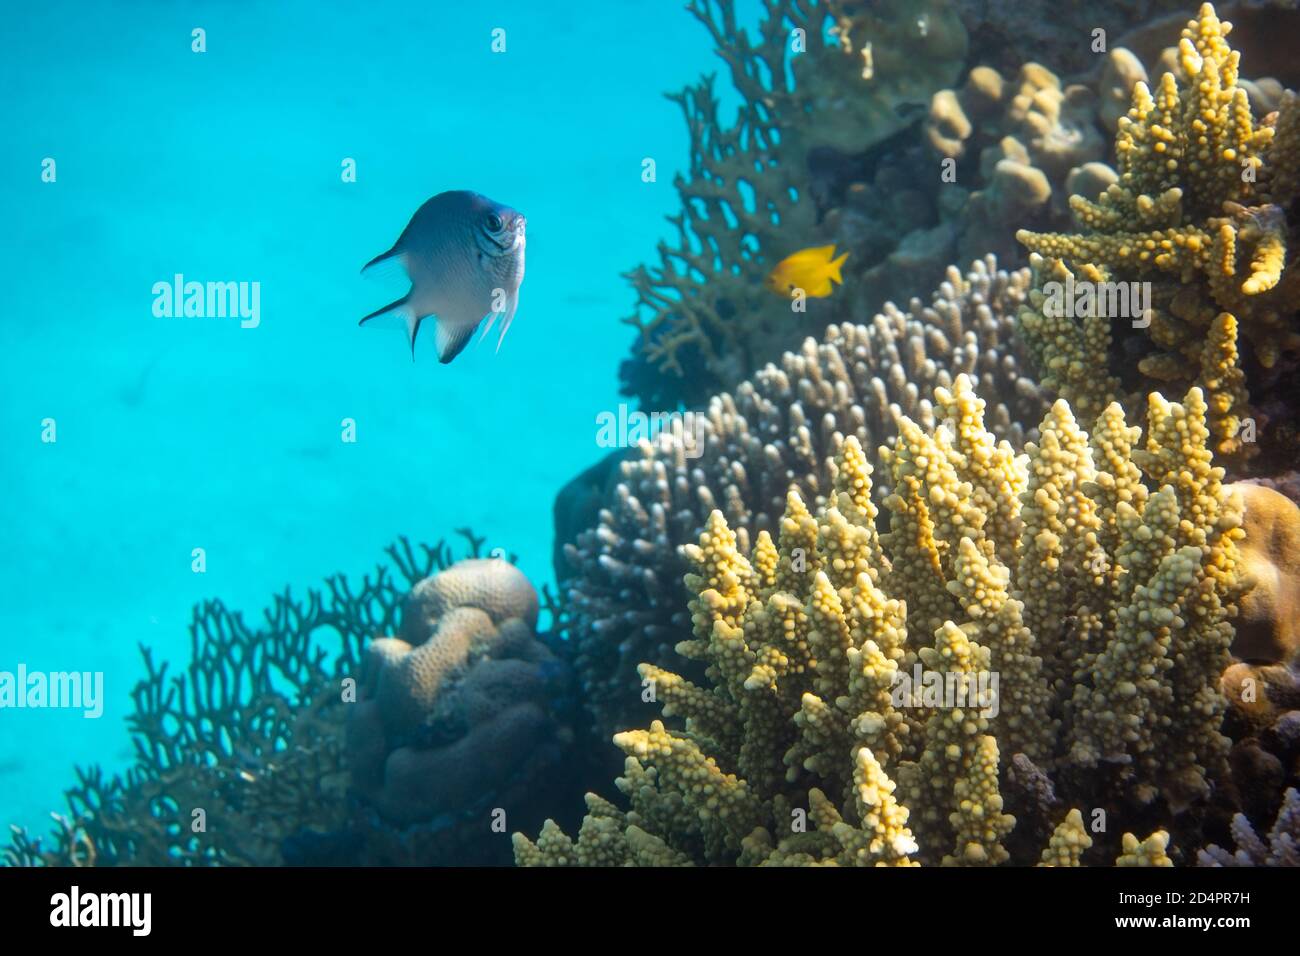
(400,309)
(833,267)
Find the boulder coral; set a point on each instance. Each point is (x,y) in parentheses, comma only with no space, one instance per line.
(846,714)
(461,704)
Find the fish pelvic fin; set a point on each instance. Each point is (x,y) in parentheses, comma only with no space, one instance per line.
(401,309)
(507,317)
(453,337)
(833,267)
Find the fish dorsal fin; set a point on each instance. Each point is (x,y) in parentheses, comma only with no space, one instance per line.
(382,259)
(816,253)
(452,338)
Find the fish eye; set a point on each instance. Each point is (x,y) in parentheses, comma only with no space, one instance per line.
(494,222)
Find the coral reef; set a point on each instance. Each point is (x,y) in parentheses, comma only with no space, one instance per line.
(462,702)
(704,318)
(241,758)
(1268,624)
(1033,139)
(917,592)
(1202,214)
(622,573)
(833,145)
(1095,576)
(1279,847)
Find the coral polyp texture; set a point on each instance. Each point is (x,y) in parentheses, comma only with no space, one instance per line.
(1203,212)
(848,713)
(622,572)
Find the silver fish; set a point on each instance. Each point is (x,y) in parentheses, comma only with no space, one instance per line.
(464,255)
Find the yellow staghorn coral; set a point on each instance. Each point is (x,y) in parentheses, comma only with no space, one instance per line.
(1200,215)
(863,691)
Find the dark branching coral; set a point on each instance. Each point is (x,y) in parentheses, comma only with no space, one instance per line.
(623,572)
(240,758)
(1280,846)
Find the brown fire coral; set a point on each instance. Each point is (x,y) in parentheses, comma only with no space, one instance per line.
(241,758)
(622,571)
(1201,213)
(850,673)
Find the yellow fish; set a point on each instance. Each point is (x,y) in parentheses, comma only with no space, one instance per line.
(812,270)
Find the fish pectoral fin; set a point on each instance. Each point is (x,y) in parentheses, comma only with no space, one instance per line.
(452,338)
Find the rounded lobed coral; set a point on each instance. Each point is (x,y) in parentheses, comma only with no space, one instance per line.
(462,707)
(1268,625)
(849,712)
(1020,145)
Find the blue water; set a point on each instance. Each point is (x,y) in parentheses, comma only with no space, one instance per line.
(175,434)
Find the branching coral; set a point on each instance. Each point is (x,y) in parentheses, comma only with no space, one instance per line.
(623,573)
(1279,847)
(1202,214)
(849,671)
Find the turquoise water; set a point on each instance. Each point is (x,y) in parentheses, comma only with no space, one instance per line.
(175,433)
